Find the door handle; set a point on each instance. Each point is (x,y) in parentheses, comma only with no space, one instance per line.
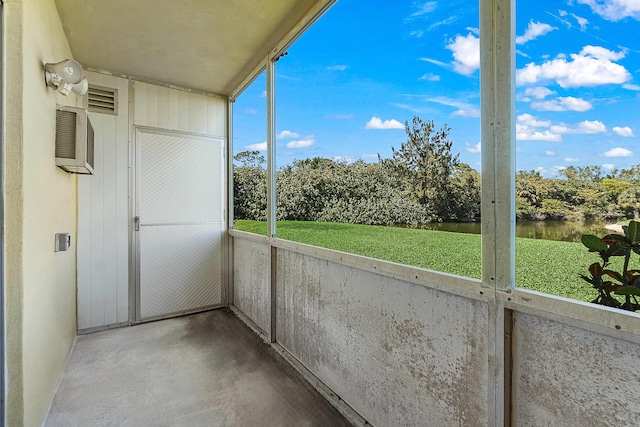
(136,223)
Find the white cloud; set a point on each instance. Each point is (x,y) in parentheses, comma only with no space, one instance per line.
(614,10)
(339,116)
(337,67)
(626,131)
(446,21)
(467,112)
(558,169)
(631,87)
(430,77)
(466,53)
(287,134)
(370,156)
(581,21)
(344,159)
(416,33)
(529,120)
(377,123)
(600,52)
(563,12)
(533,31)
(550,153)
(570,159)
(263,94)
(593,66)
(473,148)
(260,146)
(436,62)
(250,111)
(425,8)
(617,152)
(474,30)
(568,103)
(585,127)
(538,92)
(306,142)
(528,129)
(527,134)
(608,166)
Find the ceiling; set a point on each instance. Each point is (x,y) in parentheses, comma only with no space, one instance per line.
(206,45)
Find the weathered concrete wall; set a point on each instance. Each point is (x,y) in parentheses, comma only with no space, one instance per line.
(567,376)
(398,353)
(251,281)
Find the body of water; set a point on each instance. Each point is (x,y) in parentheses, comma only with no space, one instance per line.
(567,231)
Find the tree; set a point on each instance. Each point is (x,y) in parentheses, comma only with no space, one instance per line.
(426,161)
(249,186)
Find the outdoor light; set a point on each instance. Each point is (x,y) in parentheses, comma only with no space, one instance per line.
(66,76)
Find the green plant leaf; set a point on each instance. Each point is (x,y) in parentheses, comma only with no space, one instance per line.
(633,232)
(618,249)
(595,269)
(628,290)
(593,243)
(612,239)
(613,274)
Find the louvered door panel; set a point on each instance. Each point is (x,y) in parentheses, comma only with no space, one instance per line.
(180,209)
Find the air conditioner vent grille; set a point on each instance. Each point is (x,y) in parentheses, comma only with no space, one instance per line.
(65,134)
(103,100)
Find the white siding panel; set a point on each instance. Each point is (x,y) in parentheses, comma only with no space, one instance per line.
(152,106)
(122,201)
(97,227)
(163,108)
(177,110)
(172,107)
(183,111)
(103,243)
(197,114)
(216,117)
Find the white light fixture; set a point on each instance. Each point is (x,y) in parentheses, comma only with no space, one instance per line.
(66,76)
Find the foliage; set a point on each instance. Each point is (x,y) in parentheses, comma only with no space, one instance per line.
(249,186)
(426,161)
(610,283)
(423,182)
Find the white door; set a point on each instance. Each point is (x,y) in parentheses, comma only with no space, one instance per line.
(179,223)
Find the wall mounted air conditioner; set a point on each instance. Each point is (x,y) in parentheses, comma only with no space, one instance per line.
(74,140)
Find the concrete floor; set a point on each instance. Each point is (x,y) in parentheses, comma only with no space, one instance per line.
(207,369)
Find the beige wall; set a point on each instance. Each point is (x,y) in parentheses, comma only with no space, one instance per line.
(41,201)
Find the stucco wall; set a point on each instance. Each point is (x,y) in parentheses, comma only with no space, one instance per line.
(252,284)
(399,353)
(566,376)
(41,201)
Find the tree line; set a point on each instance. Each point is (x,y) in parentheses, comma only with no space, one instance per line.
(422,182)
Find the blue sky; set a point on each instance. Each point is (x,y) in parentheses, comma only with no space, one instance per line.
(347,86)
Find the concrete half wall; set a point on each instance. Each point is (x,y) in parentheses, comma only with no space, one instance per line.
(404,347)
(397,352)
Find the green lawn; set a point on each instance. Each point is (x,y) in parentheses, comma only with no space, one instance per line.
(542,265)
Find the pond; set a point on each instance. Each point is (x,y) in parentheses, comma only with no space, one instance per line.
(567,231)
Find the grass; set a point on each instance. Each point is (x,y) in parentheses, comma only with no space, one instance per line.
(543,265)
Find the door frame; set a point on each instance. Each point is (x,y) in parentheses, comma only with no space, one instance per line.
(134,206)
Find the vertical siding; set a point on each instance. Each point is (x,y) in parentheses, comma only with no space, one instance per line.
(103,210)
(103,199)
(173,109)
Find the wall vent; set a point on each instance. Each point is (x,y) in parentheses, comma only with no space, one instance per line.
(102,100)
(74,140)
